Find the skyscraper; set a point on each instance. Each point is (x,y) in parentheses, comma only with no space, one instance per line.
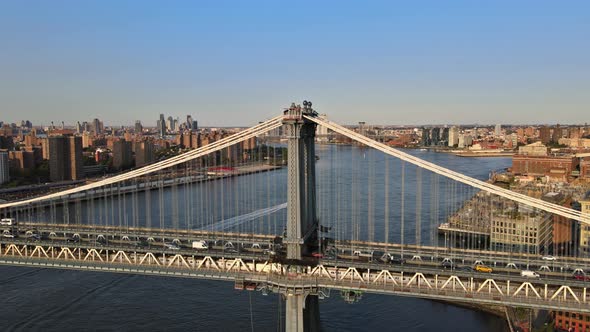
(96,126)
(189,122)
(498,130)
(138,127)
(162,126)
(4,166)
(65,158)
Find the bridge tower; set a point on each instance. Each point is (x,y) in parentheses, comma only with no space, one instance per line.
(302,221)
(302,309)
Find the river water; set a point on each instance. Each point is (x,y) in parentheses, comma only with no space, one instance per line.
(55,300)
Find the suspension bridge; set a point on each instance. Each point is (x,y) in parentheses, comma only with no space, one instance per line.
(272,217)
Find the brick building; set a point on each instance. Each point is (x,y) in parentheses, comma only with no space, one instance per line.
(555,167)
(571,321)
(65,158)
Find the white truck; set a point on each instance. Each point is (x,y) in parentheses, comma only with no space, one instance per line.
(200,244)
(7,222)
(529,274)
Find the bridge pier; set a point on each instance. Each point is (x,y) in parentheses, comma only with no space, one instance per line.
(302,313)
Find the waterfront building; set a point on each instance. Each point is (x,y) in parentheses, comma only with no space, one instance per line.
(453,136)
(435,136)
(444,136)
(4,167)
(534,149)
(555,167)
(65,158)
(465,140)
(425,141)
(521,232)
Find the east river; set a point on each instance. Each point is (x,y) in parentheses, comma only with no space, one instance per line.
(56,300)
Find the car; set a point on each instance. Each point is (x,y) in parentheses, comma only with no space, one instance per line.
(529,274)
(483,268)
(549,258)
(466,268)
(34,237)
(172,246)
(447,264)
(317,254)
(396,260)
(581,277)
(8,235)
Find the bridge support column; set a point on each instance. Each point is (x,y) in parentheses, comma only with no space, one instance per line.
(302,313)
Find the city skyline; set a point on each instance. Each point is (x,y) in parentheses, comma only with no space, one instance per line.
(379,62)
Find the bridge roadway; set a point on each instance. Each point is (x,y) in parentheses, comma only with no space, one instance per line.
(243,242)
(554,290)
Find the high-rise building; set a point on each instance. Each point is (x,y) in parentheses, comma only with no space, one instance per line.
(65,158)
(557,133)
(425,137)
(498,130)
(195,126)
(453,136)
(162,126)
(444,136)
(122,154)
(435,136)
(170,123)
(79,128)
(545,134)
(96,126)
(189,122)
(138,127)
(4,167)
(144,153)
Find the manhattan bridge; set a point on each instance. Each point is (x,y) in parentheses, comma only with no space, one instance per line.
(224,212)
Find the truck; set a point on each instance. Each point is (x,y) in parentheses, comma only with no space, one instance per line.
(529,274)
(200,244)
(7,222)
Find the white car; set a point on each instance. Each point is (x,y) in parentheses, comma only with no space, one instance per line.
(549,258)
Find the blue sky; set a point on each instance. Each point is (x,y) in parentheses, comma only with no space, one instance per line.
(238,62)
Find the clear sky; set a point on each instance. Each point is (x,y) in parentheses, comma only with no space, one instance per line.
(238,62)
